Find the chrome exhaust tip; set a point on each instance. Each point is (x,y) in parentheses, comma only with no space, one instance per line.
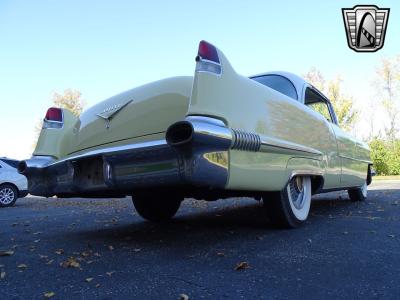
(179,134)
(34,164)
(199,130)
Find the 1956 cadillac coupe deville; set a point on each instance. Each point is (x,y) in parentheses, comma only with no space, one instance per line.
(216,135)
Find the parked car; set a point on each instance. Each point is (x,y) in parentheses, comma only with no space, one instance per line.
(218,134)
(12,184)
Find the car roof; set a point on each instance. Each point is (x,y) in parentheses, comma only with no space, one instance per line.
(297,81)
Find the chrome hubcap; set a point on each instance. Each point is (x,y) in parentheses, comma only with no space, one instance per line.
(297,193)
(6,196)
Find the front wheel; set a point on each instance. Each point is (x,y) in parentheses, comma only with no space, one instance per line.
(358,194)
(8,195)
(289,208)
(156,208)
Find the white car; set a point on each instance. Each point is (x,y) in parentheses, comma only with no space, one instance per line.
(12,184)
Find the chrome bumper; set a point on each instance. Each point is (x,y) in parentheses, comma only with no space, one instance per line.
(194,153)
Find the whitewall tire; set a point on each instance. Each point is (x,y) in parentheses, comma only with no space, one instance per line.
(290,207)
(360,193)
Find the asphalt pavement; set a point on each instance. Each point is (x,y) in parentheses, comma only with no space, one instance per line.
(100,248)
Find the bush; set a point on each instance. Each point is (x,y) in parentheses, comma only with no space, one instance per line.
(385,156)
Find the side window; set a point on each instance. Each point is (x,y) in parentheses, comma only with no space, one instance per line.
(317,103)
(278,83)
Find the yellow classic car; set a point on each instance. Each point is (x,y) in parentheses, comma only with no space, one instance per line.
(216,135)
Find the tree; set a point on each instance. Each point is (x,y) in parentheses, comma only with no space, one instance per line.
(388,84)
(343,105)
(346,114)
(71,100)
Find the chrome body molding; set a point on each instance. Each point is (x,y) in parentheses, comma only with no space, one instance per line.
(200,160)
(356,159)
(280,146)
(305,173)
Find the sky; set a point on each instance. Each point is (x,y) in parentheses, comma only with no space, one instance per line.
(102,48)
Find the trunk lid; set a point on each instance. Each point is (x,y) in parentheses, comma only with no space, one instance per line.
(138,112)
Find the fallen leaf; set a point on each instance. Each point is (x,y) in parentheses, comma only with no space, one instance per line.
(49,294)
(111,248)
(137,249)
(391,235)
(43,256)
(70,263)
(89,279)
(242,266)
(22,266)
(97,254)
(59,251)
(86,253)
(36,241)
(36,233)
(97,285)
(6,253)
(110,273)
(221,254)
(2,274)
(183,297)
(345,232)
(89,262)
(50,262)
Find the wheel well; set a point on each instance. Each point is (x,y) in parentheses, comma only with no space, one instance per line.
(12,184)
(317,182)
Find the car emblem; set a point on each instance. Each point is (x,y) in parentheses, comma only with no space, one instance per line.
(365,27)
(109,112)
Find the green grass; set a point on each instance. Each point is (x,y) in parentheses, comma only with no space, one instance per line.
(390,177)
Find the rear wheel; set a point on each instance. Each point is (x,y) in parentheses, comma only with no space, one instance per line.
(8,195)
(156,208)
(289,208)
(358,194)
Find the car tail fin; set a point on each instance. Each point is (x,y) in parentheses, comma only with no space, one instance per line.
(212,80)
(57,125)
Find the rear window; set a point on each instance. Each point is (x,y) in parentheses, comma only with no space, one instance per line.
(11,162)
(278,83)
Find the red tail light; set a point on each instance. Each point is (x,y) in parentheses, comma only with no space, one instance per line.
(208,51)
(54,114)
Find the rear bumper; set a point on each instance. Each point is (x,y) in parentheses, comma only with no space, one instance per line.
(194,153)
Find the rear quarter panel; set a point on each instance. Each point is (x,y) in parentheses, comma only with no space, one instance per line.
(245,104)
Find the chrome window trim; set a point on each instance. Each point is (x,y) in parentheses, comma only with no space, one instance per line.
(278,75)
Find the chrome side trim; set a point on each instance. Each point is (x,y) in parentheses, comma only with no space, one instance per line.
(305,173)
(355,159)
(114,149)
(279,145)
